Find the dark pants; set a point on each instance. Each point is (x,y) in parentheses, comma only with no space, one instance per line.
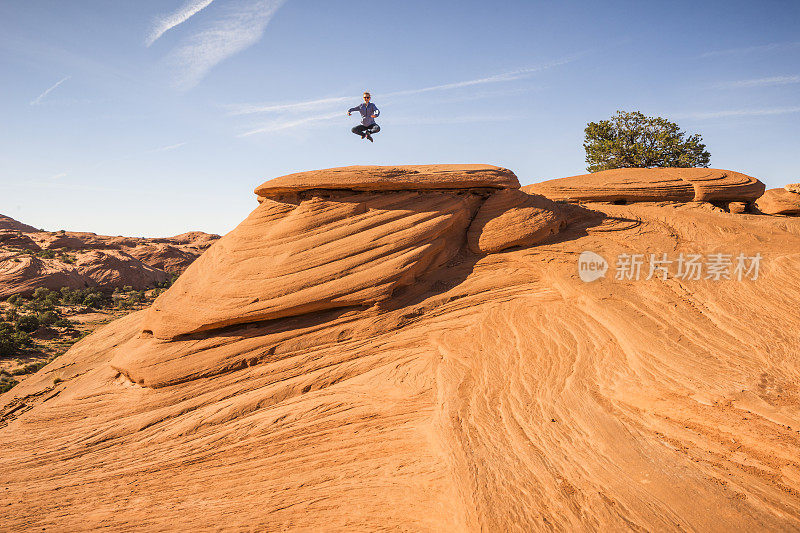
(362,129)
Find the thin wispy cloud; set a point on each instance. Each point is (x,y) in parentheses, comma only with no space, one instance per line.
(497,78)
(308,105)
(167,148)
(38,99)
(279,125)
(240,27)
(752,49)
(740,113)
(759,82)
(58,176)
(432,121)
(165,23)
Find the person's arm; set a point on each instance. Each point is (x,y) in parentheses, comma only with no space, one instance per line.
(377,112)
(352,109)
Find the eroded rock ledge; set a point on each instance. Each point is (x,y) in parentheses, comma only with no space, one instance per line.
(627,185)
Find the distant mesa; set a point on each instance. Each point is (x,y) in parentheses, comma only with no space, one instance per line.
(785,201)
(628,185)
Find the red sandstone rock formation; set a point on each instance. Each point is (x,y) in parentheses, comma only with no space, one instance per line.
(344,361)
(653,185)
(780,202)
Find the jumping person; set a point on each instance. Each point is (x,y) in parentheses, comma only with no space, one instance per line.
(368,114)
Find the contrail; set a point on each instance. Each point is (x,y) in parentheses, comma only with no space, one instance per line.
(166,23)
(39,98)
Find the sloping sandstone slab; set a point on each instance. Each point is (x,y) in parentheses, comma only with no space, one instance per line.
(779,202)
(653,185)
(511,218)
(311,253)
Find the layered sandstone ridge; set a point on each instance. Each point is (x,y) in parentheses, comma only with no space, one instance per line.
(628,185)
(322,241)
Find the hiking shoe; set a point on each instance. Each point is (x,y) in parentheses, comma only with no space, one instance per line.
(369,137)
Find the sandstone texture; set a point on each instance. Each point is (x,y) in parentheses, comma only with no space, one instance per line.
(779,202)
(356,360)
(737,207)
(511,217)
(31,258)
(653,185)
(389,178)
(793,187)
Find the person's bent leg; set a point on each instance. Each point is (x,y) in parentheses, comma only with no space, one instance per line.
(374,129)
(359,130)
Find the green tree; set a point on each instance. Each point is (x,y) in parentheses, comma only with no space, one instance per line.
(633,140)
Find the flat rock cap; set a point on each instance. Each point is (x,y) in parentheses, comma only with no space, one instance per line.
(393,178)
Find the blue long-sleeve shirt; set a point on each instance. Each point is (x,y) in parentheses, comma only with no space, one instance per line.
(366,110)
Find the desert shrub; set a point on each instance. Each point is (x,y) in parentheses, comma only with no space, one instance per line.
(6,382)
(7,345)
(137,297)
(48,318)
(167,283)
(63,323)
(28,323)
(11,339)
(71,296)
(14,300)
(12,315)
(127,288)
(46,254)
(94,300)
(46,298)
(633,140)
(41,293)
(29,368)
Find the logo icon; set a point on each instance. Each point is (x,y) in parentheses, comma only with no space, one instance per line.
(591,266)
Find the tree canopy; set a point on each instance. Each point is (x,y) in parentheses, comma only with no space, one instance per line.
(633,140)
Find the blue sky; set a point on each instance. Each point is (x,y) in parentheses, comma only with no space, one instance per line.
(155,117)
